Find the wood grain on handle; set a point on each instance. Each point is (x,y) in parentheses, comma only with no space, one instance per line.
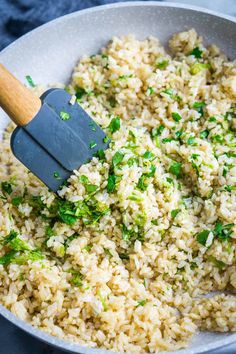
(17,100)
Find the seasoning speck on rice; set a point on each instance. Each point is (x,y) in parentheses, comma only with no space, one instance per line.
(142,233)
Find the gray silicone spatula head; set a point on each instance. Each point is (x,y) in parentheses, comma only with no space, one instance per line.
(59,139)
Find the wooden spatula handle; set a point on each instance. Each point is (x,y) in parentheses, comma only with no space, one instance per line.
(16,100)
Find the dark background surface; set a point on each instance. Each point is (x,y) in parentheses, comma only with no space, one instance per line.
(17,17)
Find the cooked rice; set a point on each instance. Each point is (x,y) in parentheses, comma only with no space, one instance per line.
(150,229)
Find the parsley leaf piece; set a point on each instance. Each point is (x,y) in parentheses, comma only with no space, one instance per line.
(196,52)
(114,125)
(204,134)
(191,140)
(101,155)
(64,115)
(176,169)
(56,175)
(202,237)
(174,213)
(199,106)
(150,91)
(176,116)
(6,187)
(141,183)
(92,144)
(216,262)
(80,92)
(162,65)
(117,158)
(17,201)
(229,188)
(30,81)
(148,155)
(197,67)
(7,258)
(157,131)
(222,232)
(141,303)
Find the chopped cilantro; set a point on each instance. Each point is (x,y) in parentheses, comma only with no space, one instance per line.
(196,52)
(114,125)
(117,158)
(6,187)
(141,183)
(217,138)
(222,232)
(141,303)
(150,91)
(125,77)
(92,144)
(162,65)
(56,175)
(17,201)
(197,67)
(191,141)
(167,140)
(216,262)
(111,182)
(79,92)
(103,301)
(199,107)
(195,156)
(176,169)
(76,278)
(176,116)
(174,213)
(204,134)
(157,131)
(106,139)
(202,237)
(148,155)
(178,134)
(212,119)
(30,81)
(64,115)
(101,155)
(229,188)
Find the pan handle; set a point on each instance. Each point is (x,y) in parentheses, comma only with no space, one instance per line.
(17,100)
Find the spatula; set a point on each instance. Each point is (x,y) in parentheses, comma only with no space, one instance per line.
(54,136)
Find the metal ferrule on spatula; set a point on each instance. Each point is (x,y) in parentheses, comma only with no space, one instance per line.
(53,137)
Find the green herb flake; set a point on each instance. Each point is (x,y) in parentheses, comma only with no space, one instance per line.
(148,155)
(80,92)
(56,175)
(150,91)
(30,81)
(196,52)
(216,262)
(223,232)
(162,65)
(92,144)
(191,141)
(229,188)
(176,169)
(204,134)
(114,125)
(111,182)
(212,119)
(202,237)
(167,140)
(106,139)
(64,115)
(197,67)
(101,155)
(157,131)
(17,201)
(174,213)
(176,116)
(117,159)
(199,106)
(142,183)
(6,187)
(141,303)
